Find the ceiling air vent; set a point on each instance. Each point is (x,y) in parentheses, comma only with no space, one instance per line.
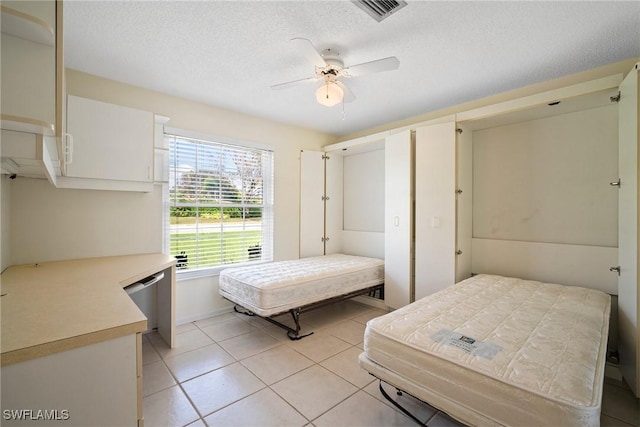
(380,9)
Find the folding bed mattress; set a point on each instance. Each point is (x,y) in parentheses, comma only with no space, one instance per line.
(277,287)
(493,350)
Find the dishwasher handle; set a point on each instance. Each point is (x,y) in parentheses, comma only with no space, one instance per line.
(144,283)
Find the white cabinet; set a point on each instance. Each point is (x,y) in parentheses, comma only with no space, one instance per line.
(30,155)
(92,385)
(320,203)
(111,143)
(543,206)
(334,203)
(311,203)
(398,223)
(32,68)
(435,193)
(628,295)
(161,151)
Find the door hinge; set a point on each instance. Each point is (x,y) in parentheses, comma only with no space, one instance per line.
(325,157)
(616,183)
(325,198)
(459,130)
(459,191)
(616,269)
(615,98)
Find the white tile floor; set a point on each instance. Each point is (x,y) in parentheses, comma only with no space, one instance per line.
(234,370)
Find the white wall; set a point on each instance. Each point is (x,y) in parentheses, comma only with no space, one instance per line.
(364,191)
(48,223)
(547,180)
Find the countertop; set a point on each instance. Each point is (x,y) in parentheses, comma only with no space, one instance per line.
(57,306)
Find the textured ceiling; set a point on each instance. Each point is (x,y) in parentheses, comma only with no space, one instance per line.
(229,53)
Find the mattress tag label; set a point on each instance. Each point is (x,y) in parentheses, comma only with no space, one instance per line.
(486,350)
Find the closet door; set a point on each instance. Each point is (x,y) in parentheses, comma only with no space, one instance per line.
(628,298)
(398,228)
(333,175)
(311,203)
(435,223)
(464,201)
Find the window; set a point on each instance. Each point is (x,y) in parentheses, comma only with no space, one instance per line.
(220,203)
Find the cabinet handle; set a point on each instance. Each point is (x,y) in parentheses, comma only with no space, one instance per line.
(68,148)
(616,269)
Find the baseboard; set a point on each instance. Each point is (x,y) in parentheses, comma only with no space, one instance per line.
(201,316)
(373,302)
(612,371)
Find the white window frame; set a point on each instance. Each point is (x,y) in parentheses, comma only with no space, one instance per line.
(268,204)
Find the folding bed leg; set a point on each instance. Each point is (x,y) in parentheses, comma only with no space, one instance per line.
(400,407)
(243,310)
(295,335)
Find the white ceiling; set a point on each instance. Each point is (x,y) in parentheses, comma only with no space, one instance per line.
(229,53)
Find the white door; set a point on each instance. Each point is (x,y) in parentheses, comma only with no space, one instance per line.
(311,203)
(435,216)
(628,301)
(333,176)
(464,202)
(398,227)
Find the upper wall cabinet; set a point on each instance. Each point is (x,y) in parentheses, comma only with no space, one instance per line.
(111,143)
(32,68)
(28,154)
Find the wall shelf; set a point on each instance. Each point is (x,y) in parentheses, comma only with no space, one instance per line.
(25,26)
(26,124)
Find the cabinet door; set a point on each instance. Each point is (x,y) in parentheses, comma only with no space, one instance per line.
(110,142)
(628,298)
(92,385)
(435,225)
(398,228)
(311,203)
(334,203)
(464,202)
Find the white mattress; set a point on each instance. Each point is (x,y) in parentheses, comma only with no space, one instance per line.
(538,356)
(276,287)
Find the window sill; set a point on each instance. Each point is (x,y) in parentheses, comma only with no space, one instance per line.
(210,271)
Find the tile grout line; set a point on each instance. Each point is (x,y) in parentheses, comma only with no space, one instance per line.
(266,386)
(179,384)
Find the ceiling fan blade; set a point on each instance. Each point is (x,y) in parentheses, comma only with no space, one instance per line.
(377,66)
(348,95)
(312,54)
(287,85)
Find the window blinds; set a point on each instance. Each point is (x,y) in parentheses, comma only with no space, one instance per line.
(220,203)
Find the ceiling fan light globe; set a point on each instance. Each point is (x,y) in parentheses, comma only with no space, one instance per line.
(329,94)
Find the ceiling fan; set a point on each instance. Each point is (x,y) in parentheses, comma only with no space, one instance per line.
(329,68)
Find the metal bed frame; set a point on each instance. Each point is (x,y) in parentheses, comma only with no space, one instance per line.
(294,334)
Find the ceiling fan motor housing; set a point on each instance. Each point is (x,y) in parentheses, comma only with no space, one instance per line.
(334,64)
